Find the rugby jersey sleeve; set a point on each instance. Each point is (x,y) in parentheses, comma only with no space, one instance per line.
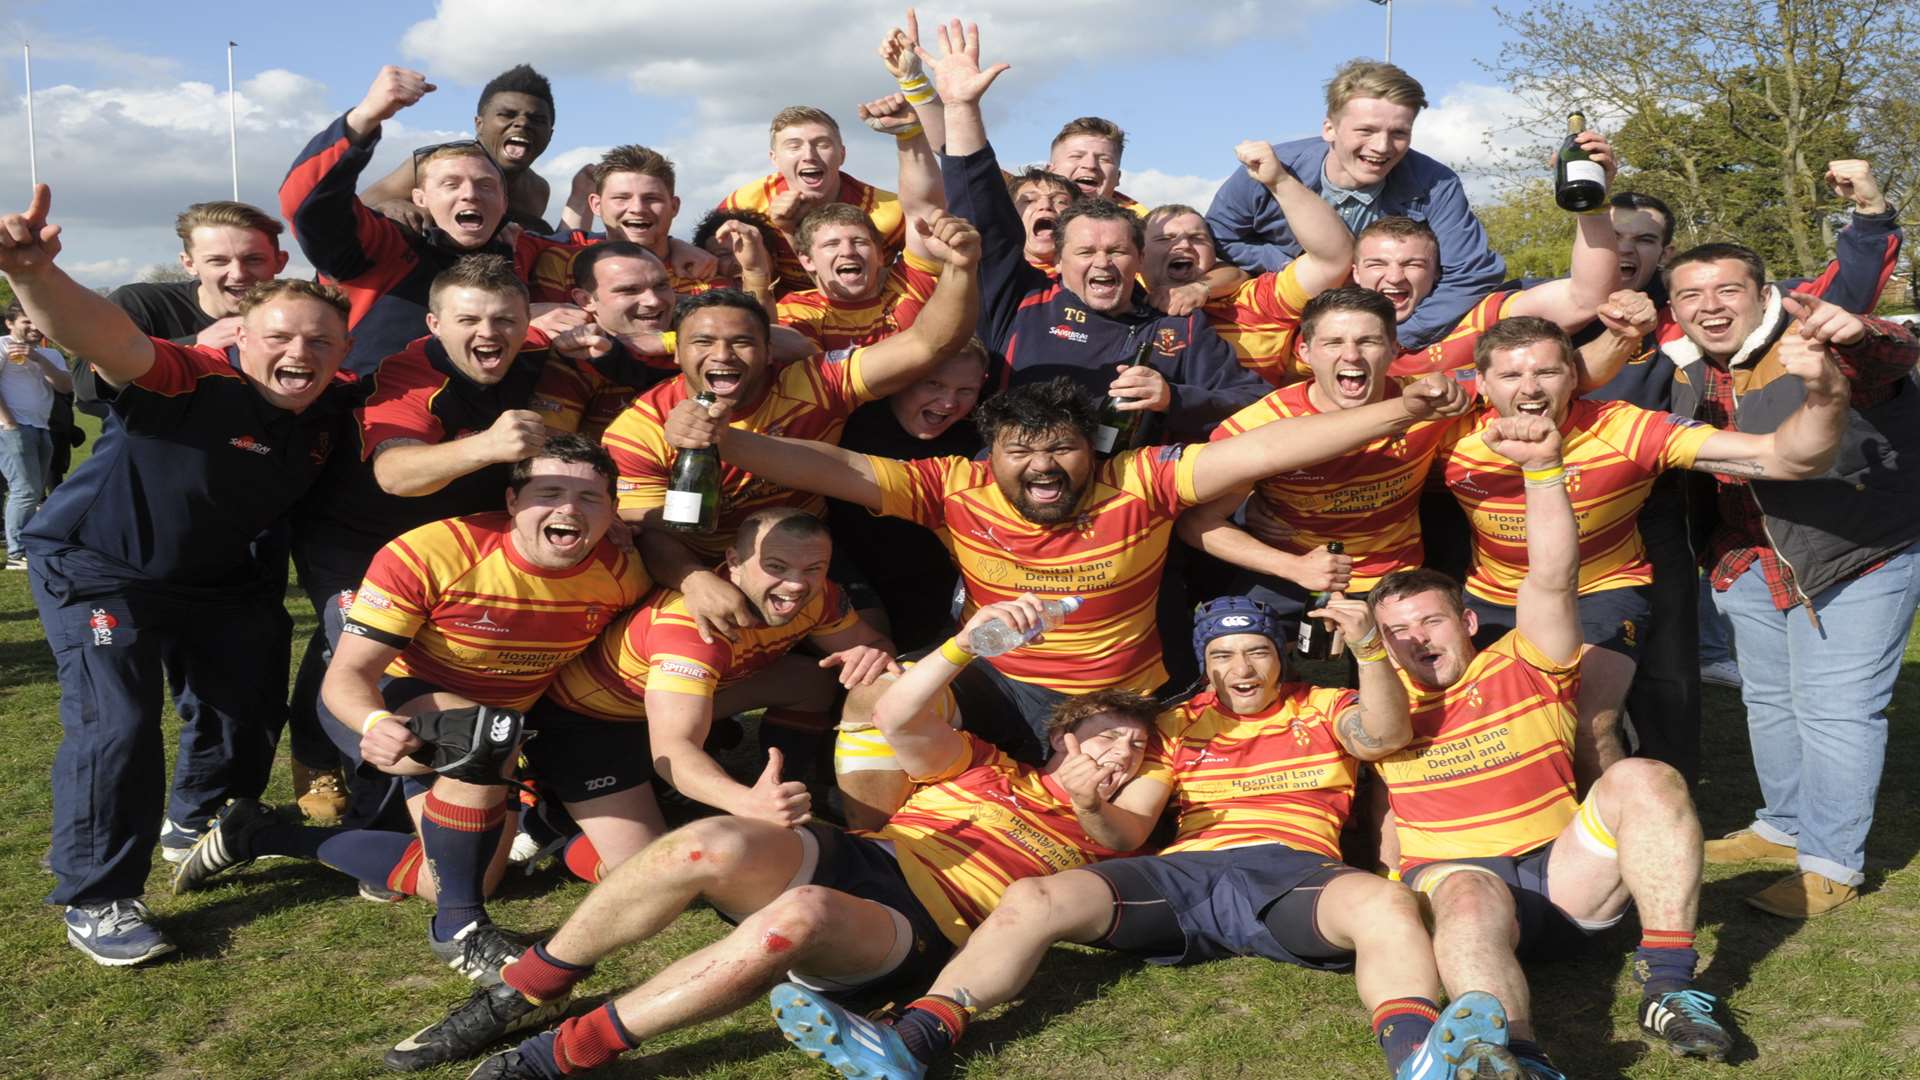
(399,591)
(915,490)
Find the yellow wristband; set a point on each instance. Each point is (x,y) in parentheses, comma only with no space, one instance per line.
(375,717)
(670,340)
(1544,476)
(1372,656)
(908,134)
(916,89)
(952,653)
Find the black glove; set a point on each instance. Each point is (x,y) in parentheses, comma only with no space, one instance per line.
(471,744)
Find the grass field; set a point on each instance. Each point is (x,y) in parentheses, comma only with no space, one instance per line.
(284,973)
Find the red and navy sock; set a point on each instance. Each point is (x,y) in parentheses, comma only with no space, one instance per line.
(931,1025)
(459,842)
(583,859)
(1401,1025)
(540,977)
(1664,962)
(589,1041)
(367,854)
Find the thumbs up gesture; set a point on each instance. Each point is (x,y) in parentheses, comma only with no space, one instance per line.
(784,803)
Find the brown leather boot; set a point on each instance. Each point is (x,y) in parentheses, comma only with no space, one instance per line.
(1749,846)
(321,795)
(1802,896)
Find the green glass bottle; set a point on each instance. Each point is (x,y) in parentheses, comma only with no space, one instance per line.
(1579,182)
(1316,635)
(693,489)
(1120,429)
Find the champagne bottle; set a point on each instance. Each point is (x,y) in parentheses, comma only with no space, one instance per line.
(1119,428)
(1316,635)
(1579,182)
(693,489)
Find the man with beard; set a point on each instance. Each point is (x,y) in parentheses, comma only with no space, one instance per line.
(457,623)
(721,343)
(1263,770)
(1363,166)
(1042,515)
(1491,831)
(514,123)
(807,152)
(145,557)
(1815,578)
(844,911)
(441,424)
(384,268)
(1612,451)
(642,700)
(1088,323)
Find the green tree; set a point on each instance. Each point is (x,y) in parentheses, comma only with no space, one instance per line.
(1529,230)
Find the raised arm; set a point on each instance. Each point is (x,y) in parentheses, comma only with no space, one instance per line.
(1381,724)
(65,310)
(900,52)
(339,234)
(1326,243)
(1629,317)
(1805,443)
(1867,251)
(1571,302)
(1548,608)
(1283,445)
(921,192)
(947,320)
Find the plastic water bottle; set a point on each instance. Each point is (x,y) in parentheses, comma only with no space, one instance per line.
(993,637)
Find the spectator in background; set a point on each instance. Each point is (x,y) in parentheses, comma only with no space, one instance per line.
(29,379)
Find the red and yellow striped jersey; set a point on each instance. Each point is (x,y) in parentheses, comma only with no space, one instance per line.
(833,325)
(1455,351)
(808,400)
(573,396)
(471,615)
(882,207)
(1613,451)
(551,279)
(1490,769)
(978,826)
(1281,777)
(656,645)
(1111,554)
(1368,499)
(1260,320)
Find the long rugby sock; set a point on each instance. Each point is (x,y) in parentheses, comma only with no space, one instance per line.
(583,859)
(931,1025)
(1665,960)
(542,978)
(459,842)
(295,841)
(1401,1025)
(590,1041)
(372,855)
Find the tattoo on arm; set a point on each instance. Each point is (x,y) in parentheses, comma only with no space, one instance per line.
(1731,468)
(1353,729)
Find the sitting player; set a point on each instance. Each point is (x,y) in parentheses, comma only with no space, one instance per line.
(838,910)
(1490,829)
(477,611)
(643,698)
(1263,776)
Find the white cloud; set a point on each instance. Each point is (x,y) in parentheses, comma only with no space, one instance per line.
(1472,128)
(1155,188)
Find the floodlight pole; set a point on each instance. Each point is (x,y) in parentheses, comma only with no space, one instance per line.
(233,126)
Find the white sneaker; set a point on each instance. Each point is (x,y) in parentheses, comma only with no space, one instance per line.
(1722,673)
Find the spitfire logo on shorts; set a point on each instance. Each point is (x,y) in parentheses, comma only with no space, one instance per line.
(683,669)
(101,622)
(371,597)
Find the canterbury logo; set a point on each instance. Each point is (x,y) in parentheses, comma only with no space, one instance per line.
(501,729)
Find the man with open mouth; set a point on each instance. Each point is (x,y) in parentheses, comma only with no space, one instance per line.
(842,911)
(1613,451)
(478,610)
(807,152)
(514,122)
(123,574)
(1090,320)
(1262,774)
(1363,165)
(858,296)
(440,425)
(1494,834)
(384,267)
(1042,515)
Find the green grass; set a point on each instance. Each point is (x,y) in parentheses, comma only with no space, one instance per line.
(283,973)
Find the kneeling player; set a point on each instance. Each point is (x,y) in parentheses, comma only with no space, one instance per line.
(836,910)
(1263,774)
(645,695)
(1489,827)
(476,611)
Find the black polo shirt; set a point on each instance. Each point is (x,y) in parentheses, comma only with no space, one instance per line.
(191,466)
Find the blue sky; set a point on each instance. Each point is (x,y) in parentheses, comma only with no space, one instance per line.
(131,107)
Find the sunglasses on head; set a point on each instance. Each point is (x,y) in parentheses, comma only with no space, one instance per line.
(421,155)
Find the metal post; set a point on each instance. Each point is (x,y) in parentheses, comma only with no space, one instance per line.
(233,126)
(1389,56)
(33,163)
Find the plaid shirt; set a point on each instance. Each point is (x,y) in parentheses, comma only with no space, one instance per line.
(1872,365)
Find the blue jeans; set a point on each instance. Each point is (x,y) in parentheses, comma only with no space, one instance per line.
(1816,706)
(1716,646)
(24,454)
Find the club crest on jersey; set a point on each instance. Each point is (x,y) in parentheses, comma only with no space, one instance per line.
(250,445)
(1573,479)
(102,622)
(596,614)
(1167,343)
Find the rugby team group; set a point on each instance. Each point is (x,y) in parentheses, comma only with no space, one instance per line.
(864,533)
